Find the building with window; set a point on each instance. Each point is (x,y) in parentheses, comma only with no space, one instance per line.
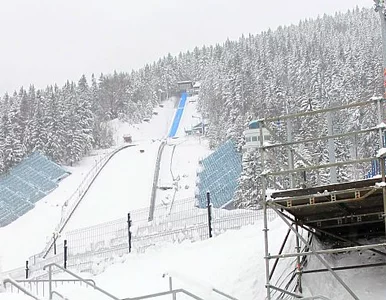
(252,135)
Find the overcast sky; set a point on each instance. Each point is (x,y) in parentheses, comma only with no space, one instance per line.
(49,41)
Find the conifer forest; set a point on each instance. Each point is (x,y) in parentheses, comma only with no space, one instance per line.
(329,61)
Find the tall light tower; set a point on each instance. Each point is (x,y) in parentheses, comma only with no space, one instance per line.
(380,7)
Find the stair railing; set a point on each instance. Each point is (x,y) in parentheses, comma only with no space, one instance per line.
(206,286)
(50,291)
(19,287)
(59,295)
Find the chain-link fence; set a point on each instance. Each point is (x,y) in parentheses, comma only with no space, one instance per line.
(89,249)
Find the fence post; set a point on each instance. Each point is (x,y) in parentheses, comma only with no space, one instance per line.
(129,230)
(26,269)
(65,254)
(174,296)
(209,213)
(49,282)
(55,237)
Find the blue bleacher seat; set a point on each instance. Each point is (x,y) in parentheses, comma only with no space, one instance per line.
(25,184)
(219,176)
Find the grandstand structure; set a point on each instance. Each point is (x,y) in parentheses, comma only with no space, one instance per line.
(25,184)
(219,175)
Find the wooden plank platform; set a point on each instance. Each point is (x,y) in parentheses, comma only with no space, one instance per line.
(352,210)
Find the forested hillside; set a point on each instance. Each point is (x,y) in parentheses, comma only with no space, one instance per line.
(318,63)
(330,61)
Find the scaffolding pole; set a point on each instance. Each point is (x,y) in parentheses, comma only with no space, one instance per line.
(318,230)
(298,266)
(265,229)
(318,256)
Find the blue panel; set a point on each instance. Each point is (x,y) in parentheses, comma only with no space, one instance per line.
(25,184)
(219,176)
(178,115)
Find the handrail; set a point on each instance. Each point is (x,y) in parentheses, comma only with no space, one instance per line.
(59,228)
(52,280)
(172,292)
(15,284)
(74,275)
(316,297)
(211,288)
(60,295)
(155,180)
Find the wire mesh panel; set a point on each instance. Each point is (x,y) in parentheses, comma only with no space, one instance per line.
(91,249)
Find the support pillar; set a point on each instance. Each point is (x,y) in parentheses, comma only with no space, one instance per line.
(318,256)
(331,149)
(290,153)
(298,266)
(382,163)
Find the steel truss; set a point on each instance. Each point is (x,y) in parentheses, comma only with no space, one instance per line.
(287,209)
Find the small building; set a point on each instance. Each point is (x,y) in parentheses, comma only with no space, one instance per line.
(196,87)
(185,86)
(252,135)
(127,138)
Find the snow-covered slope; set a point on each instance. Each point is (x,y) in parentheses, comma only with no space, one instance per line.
(232,262)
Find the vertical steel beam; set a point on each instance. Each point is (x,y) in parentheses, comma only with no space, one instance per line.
(266,248)
(320,258)
(263,194)
(331,148)
(355,155)
(290,153)
(380,117)
(380,7)
(298,267)
(382,163)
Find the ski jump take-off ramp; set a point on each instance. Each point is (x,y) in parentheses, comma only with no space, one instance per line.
(172,133)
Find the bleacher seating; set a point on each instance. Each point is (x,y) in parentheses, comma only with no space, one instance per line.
(25,184)
(219,175)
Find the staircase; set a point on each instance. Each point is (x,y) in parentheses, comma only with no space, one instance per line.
(43,289)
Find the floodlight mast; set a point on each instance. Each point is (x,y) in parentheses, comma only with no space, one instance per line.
(381,9)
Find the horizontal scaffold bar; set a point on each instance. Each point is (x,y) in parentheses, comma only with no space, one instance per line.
(321,138)
(320,111)
(326,194)
(325,166)
(328,251)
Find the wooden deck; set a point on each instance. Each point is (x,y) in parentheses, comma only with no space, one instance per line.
(351,210)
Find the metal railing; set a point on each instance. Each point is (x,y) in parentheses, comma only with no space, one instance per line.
(206,286)
(50,266)
(155,295)
(59,295)
(110,240)
(39,286)
(19,287)
(172,292)
(79,193)
(155,180)
(315,298)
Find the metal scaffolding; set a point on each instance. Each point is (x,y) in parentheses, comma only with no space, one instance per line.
(322,210)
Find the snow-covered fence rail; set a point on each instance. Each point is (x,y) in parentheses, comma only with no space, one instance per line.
(89,248)
(74,200)
(155,180)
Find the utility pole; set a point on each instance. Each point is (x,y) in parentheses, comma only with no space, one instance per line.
(380,7)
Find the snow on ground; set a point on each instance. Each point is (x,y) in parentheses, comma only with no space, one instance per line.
(33,231)
(156,129)
(368,283)
(29,233)
(232,262)
(190,116)
(185,164)
(179,166)
(122,186)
